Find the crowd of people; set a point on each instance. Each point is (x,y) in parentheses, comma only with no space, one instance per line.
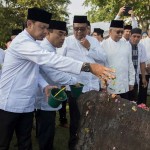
(42,57)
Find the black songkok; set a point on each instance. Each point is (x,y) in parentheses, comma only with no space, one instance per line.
(117,24)
(99,31)
(80,19)
(38,14)
(58,25)
(129,27)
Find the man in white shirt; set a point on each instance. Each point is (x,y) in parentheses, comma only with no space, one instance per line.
(126,33)
(98,34)
(45,114)
(20,77)
(144,35)
(139,58)
(80,46)
(119,57)
(142,97)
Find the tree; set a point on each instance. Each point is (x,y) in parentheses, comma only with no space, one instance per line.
(106,10)
(13,13)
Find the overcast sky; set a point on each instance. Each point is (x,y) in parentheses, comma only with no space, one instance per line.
(76,8)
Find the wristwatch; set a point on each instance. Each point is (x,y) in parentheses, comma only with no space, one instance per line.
(86,67)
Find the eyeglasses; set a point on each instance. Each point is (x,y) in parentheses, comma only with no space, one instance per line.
(82,29)
(119,31)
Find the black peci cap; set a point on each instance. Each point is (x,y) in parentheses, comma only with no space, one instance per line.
(117,24)
(58,25)
(80,19)
(38,14)
(99,31)
(129,27)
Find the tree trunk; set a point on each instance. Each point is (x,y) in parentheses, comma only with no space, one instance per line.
(111,124)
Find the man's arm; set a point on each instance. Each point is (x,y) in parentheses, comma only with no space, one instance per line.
(44,85)
(42,82)
(143,60)
(131,12)
(58,77)
(121,10)
(95,50)
(134,22)
(98,70)
(143,70)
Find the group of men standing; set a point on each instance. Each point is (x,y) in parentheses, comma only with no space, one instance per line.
(131,34)
(20,78)
(32,67)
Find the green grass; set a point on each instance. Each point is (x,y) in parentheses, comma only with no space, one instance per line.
(60,141)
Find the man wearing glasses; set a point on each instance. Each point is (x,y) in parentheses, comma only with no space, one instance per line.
(80,46)
(120,58)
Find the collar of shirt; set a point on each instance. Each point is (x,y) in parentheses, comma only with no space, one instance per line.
(133,45)
(27,33)
(46,44)
(46,40)
(114,42)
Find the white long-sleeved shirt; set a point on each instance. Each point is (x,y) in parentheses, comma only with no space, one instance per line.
(73,48)
(20,72)
(2,55)
(146,43)
(119,58)
(53,77)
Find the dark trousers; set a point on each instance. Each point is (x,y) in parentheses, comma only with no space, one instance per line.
(133,95)
(142,97)
(46,128)
(124,95)
(74,120)
(21,123)
(62,113)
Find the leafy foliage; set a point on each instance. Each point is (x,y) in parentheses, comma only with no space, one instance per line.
(106,10)
(13,13)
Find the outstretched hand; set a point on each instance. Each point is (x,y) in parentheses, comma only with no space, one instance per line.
(102,72)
